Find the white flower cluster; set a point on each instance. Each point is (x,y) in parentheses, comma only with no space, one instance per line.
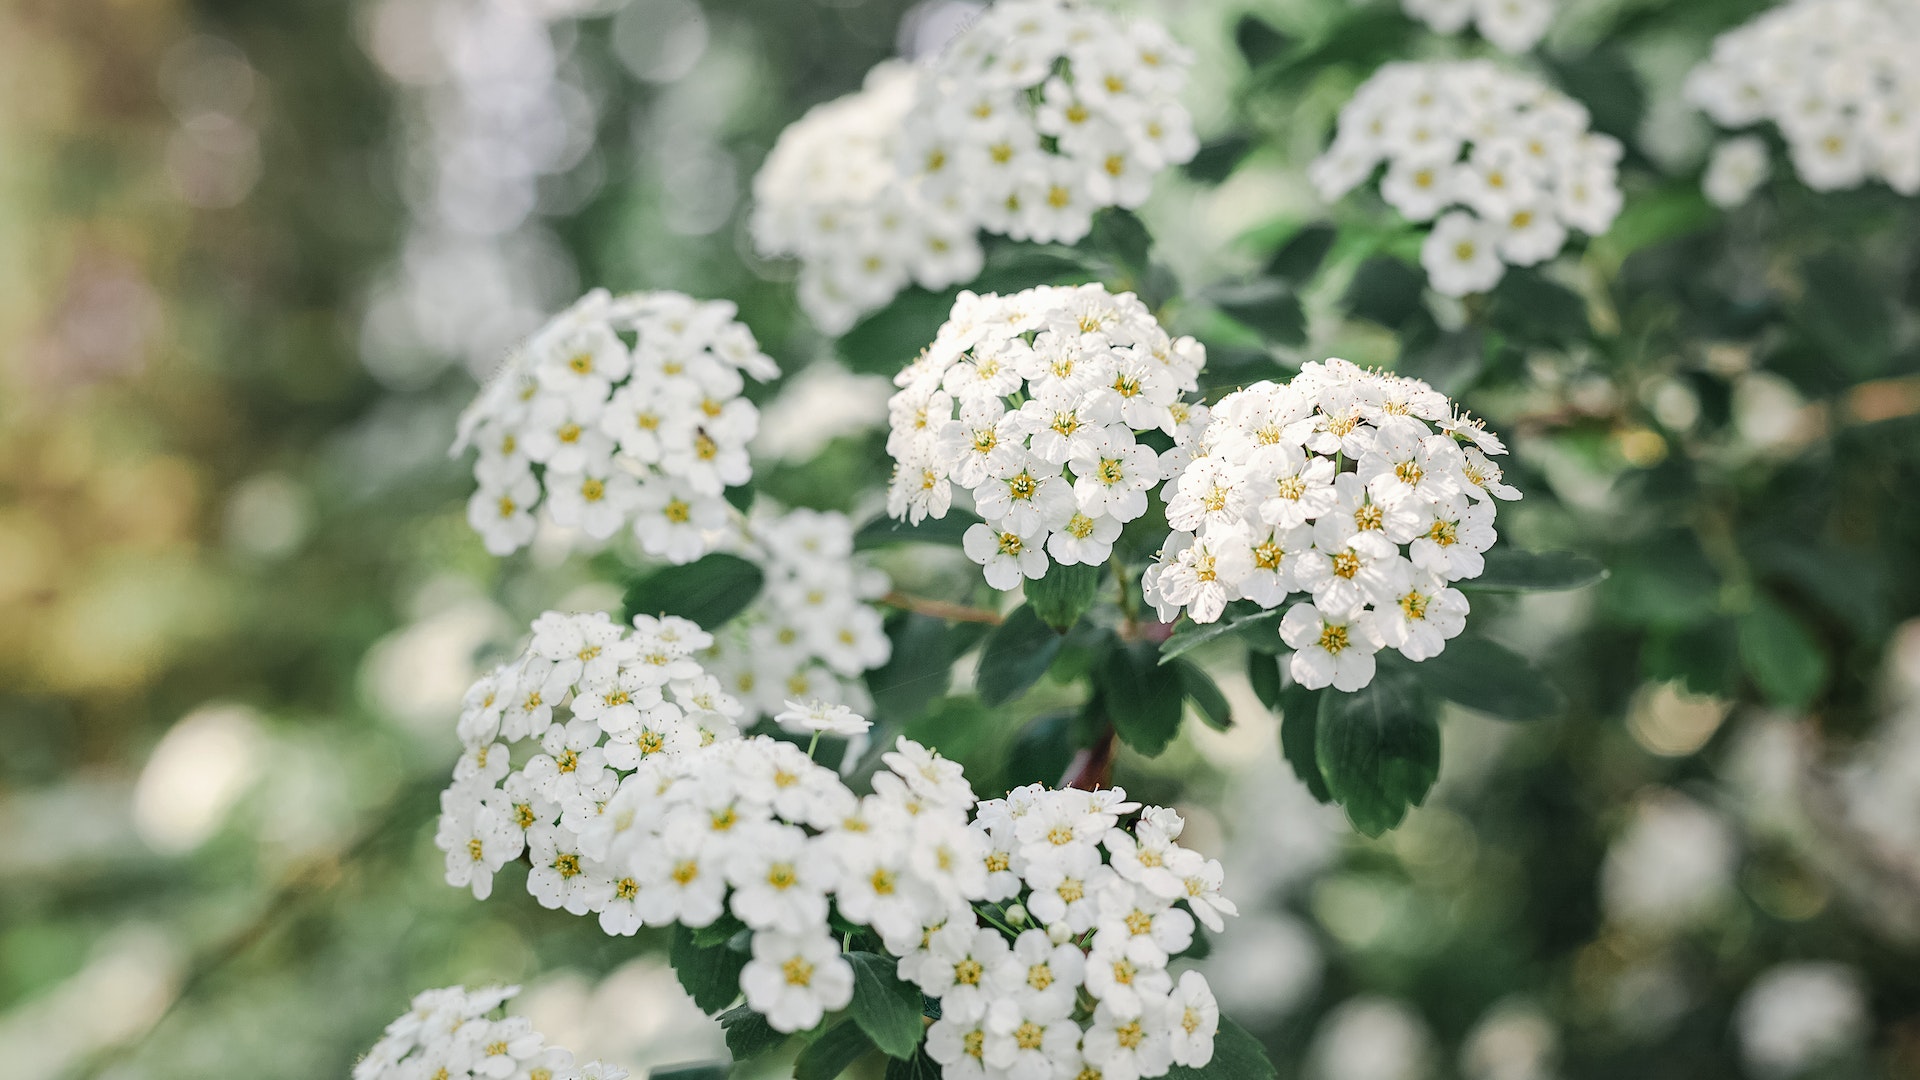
(1084,989)
(645,806)
(1837,77)
(1503,165)
(609,434)
(812,632)
(1039,114)
(447,1033)
(1336,485)
(1511,25)
(1046,110)
(1032,402)
(832,194)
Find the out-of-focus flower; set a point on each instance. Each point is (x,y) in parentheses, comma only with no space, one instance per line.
(1505,163)
(1836,77)
(1672,866)
(1515,1040)
(1512,25)
(450,1030)
(1796,1017)
(1738,167)
(1371,1038)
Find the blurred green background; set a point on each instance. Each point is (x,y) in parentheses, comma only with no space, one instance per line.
(253,254)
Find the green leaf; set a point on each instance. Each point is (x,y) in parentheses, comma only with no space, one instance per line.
(702,1070)
(919,668)
(1384,290)
(1205,694)
(1781,655)
(1193,635)
(1259,41)
(1216,160)
(1065,594)
(1605,81)
(1665,579)
(1237,1055)
(1263,674)
(1447,359)
(719,931)
(829,1055)
(1529,307)
(1486,676)
(1657,216)
(1299,710)
(1364,38)
(1379,750)
(889,339)
(887,1009)
(1847,314)
(748,1033)
(1703,656)
(1042,751)
(740,497)
(711,976)
(1121,238)
(1142,701)
(917,1067)
(1512,569)
(1267,306)
(1017,653)
(1300,257)
(1202,946)
(709,591)
(884,531)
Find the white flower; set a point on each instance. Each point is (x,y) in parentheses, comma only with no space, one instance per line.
(1007,556)
(1462,255)
(1738,167)
(780,880)
(1332,650)
(823,717)
(1132,1042)
(1796,1017)
(1040,977)
(794,980)
(1421,620)
(1196,1017)
(448,1032)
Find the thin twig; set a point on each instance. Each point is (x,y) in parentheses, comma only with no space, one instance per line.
(941,609)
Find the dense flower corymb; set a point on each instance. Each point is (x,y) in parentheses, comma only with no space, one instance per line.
(611,434)
(449,1032)
(1363,491)
(1837,77)
(1502,164)
(1032,402)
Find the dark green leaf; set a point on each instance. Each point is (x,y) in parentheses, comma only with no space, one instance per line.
(1216,160)
(711,976)
(1512,569)
(1702,656)
(1781,655)
(1300,257)
(1065,594)
(1042,751)
(917,1067)
(1202,946)
(709,591)
(1017,653)
(1365,37)
(919,669)
(1492,679)
(1122,239)
(1384,290)
(1193,635)
(1207,699)
(748,1033)
(1666,579)
(1263,674)
(889,339)
(1605,81)
(887,1009)
(719,931)
(1446,359)
(1142,700)
(829,1055)
(1237,1055)
(1379,750)
(1528,307)
(1259,42)
(1267,306)
(704,1070)
(1847,314)
(958,725)
(741,497)
(1299,710)
(884,531)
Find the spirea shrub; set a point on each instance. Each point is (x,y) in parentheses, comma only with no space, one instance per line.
(1511,25)
(1033,404)
(622,411)
(1353,498)
(1837,78)
(452,1032)
(1039,114)
(1502,164)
